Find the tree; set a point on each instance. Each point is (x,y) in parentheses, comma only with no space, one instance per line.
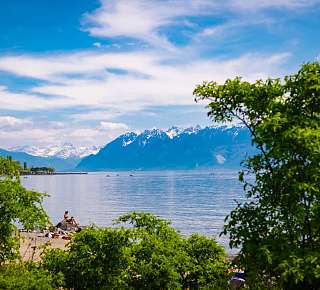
(25,276)
(17,205)
(278,227)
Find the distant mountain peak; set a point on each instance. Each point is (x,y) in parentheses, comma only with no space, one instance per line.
(64,151)
(128,138)
(173,132)
(192,130)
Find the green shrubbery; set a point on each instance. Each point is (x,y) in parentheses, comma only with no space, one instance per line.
(27,276)
(150,255)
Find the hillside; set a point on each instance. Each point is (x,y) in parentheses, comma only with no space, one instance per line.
(175,148)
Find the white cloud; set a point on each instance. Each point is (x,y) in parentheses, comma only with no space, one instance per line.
(13,122)
(50,133)
(28,136)
(139,19)
(143,19)
(57,124)
(113,126)
(147,81)
(255,5)
(61,67)
(95,115)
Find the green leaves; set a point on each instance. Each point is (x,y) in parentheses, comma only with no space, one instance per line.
(149,255)
(281,219)
(25,276)
(17,204)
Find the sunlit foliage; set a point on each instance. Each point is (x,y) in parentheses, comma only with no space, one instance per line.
(278,227)
(17,205)
(148,255)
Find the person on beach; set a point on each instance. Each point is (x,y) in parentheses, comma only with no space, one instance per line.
(64,221)
(66,215)
(69,223)
(73,222)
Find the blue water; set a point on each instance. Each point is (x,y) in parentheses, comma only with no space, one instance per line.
(194,200)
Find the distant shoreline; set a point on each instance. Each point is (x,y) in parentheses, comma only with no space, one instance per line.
(54,173)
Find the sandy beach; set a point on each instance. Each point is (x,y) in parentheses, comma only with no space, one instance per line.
(32,245)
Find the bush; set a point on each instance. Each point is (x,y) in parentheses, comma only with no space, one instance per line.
(208,266)
(150,255)
(25,276)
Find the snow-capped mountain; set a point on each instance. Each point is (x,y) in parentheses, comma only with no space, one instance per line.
(173,148)
(65,151)
(60,164)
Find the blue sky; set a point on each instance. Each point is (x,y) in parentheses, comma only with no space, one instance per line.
(85,71)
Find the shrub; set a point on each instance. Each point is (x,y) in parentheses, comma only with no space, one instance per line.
(149,255)
(26,276)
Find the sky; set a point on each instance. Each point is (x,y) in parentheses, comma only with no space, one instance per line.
(85,71)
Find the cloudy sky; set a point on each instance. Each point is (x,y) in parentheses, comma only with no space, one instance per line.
(84,71)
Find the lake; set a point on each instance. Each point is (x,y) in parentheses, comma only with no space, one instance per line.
(194,200)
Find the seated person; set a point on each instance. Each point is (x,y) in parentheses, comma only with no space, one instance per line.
(66,215)
(73,222)
(68,223)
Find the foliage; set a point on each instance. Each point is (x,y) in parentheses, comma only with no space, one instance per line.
(26,277)
(148,255)
(207,268)
(96,258)
(278,227)
(17,204)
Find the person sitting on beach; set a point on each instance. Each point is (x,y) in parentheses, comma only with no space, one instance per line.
(73,222)
(66,215)
(68,223)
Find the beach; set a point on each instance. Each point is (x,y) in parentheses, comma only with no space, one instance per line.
(33,243)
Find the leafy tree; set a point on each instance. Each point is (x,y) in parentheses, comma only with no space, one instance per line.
(17,205)
(278,227)
(25,276)
(149,255)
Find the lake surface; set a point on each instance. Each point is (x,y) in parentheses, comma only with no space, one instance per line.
(194,200)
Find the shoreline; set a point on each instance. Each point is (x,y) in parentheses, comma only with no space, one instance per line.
(32,245)
(55,173)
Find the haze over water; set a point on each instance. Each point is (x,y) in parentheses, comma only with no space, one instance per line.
(194,200)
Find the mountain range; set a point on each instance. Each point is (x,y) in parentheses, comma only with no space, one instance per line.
(175,148)
(64,151)
(60,164)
